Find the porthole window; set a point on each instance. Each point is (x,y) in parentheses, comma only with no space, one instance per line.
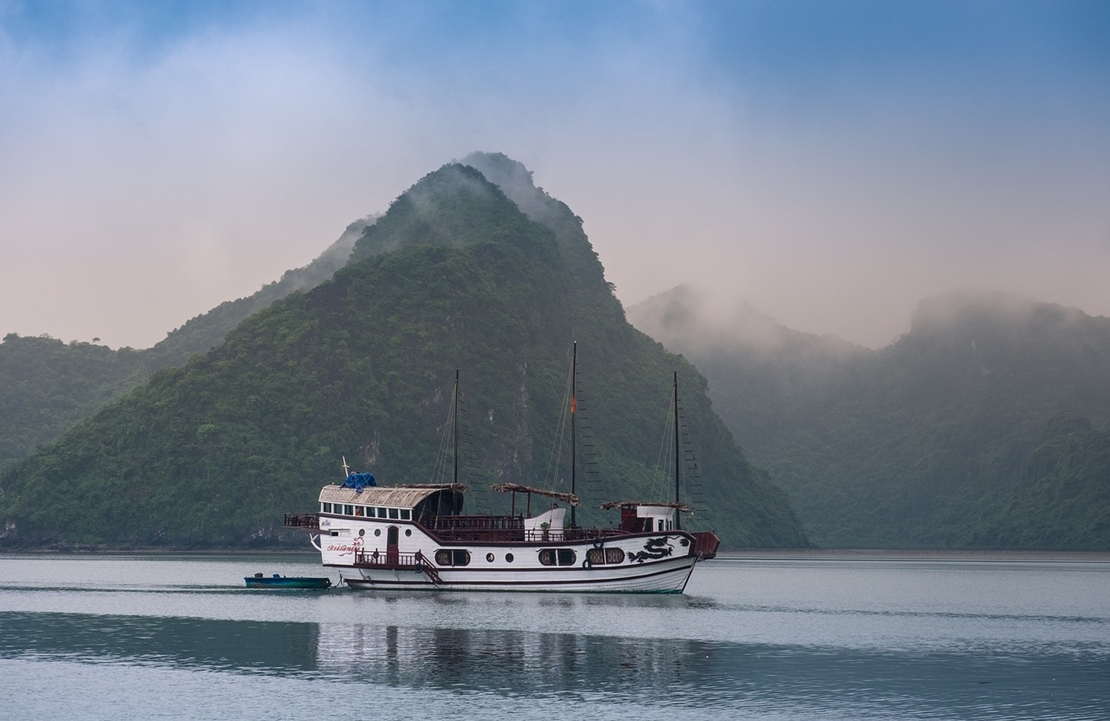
(489,558)
(377,531)
(614,555)
(547,557)
(362,531)
(508,558)
(408,531)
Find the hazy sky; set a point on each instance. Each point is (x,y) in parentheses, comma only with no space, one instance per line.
(832,162)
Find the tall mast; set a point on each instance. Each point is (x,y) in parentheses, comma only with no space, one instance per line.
(455,429)
(573,413)
(677,513)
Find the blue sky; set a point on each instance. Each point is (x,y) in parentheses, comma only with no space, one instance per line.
(831,162)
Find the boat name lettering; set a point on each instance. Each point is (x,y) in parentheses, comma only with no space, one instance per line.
(344,550)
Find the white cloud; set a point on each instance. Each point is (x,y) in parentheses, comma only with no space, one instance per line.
(160,183)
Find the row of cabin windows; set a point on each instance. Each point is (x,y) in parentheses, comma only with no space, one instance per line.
(567,556)
(402,514)
(548,557)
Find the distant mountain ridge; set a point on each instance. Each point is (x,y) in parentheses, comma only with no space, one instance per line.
(453,277)
(938,440)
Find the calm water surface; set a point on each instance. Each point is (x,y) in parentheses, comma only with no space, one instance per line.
(110,637)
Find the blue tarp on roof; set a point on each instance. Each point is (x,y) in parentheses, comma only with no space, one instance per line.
(358,481)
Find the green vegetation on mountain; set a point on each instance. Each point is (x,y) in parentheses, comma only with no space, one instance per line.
(454,276)
(948,438)
(47,386)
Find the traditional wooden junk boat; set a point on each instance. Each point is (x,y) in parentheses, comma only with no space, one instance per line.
(417,536)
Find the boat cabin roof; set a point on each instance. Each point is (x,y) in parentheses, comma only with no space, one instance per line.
(392,496)
(517,488)
(646,508)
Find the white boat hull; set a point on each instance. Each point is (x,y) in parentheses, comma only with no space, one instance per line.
(662,577)
(634,563)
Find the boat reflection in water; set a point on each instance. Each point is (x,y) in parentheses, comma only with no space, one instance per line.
(512,662)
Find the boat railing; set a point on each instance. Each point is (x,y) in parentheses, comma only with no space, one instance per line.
(302,521)
(481,523)
(398,562)
(506,529)
(401,561)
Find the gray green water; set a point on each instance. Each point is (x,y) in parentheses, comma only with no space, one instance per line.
(117,637)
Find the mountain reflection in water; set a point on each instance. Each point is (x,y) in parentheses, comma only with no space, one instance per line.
(675,673)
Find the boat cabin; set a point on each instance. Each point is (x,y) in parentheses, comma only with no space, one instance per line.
(398,503)
(639,517)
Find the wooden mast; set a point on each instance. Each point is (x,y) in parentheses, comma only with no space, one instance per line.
(677,500)
(573,413)
(455,430)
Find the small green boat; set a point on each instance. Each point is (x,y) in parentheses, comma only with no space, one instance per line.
(276,581)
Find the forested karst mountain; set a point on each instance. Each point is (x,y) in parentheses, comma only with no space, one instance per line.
(47,386)
(978,428)
(453,276)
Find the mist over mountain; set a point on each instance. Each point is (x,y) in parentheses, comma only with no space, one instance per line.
(454,277)
(46,386)
(983,426)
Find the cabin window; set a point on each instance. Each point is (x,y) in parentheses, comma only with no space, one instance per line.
(325,508)
(393,513)
(557,556)
(602,556)
(382,513)
(445,557)
(348,510)
(406,514)
(358,510)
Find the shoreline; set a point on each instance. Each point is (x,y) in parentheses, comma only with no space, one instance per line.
(743,554)
(895,554)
